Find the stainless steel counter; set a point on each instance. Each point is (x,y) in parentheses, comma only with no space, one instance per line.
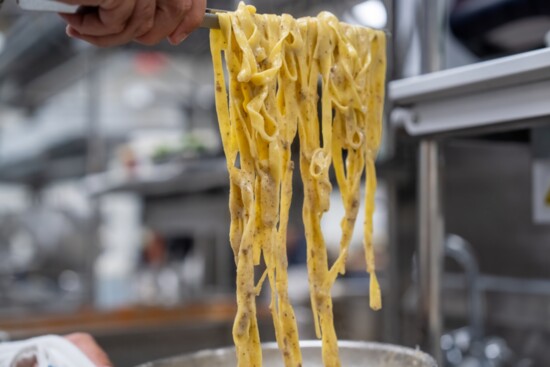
(501,94)
(505,94)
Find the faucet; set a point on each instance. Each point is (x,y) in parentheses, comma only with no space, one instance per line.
(461,251)
(468,346)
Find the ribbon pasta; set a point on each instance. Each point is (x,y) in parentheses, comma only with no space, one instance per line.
(274,65)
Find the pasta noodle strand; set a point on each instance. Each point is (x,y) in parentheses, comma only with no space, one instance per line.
(269,99)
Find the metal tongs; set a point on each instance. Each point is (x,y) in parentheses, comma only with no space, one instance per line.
(210,19)
(47,6)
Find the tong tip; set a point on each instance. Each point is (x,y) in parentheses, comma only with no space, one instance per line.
(210,19)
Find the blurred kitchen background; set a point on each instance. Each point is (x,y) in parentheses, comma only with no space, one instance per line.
(113,194)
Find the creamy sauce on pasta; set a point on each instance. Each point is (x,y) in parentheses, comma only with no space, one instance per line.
(274,65)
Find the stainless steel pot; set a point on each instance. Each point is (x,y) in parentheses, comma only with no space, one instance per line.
(352,354)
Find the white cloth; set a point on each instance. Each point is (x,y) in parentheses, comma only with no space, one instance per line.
(48,351)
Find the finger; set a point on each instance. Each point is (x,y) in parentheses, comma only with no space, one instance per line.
(109,19)
(90,24)
(169,14)
(90,348)
(192,21)
(140,22)
(101,41)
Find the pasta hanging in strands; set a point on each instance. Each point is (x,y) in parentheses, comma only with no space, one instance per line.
(274,64)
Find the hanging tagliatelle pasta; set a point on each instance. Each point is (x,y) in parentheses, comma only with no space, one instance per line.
(274,65)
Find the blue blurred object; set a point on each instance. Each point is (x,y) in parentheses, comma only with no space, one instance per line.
(476,22)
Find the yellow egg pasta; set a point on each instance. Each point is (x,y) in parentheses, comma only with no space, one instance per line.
(280,72)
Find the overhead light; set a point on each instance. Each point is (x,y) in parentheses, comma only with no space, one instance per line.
(371,13)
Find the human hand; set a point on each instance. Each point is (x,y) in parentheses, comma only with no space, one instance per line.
(107,23)
(87,344)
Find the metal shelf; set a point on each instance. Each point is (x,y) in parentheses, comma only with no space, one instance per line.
(511,92)
(194,175)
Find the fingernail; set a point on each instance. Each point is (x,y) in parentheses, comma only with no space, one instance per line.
(71,32)
(177,39)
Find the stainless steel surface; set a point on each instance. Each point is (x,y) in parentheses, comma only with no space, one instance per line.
(508,93)
(488,202)
(130,347)
(525,67)
(433,30)
(210,19)
(471,342)
(461,251)
(352,354)
(431,238)
(514,107)
(488,95)
(392,301)
(188,176)
(47,5)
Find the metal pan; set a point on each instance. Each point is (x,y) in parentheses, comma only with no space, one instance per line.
(352,354)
